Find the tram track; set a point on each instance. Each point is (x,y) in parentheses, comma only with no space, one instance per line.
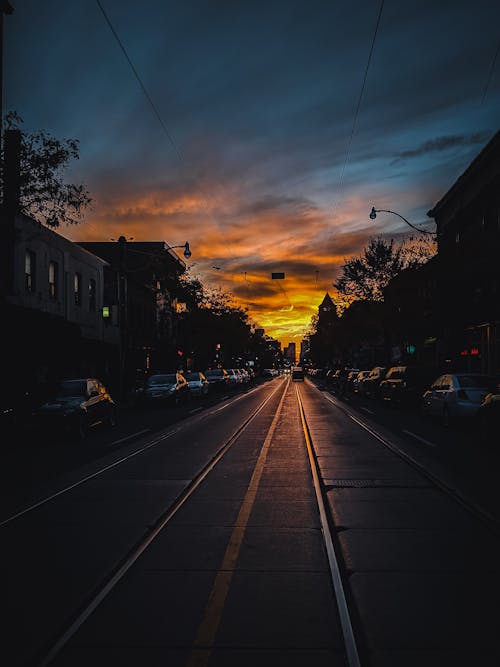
(45,653)
(159,438)
(460,498)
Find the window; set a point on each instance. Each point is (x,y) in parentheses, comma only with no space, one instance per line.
(53,279)
(92,295)
(30,271)
(77,289)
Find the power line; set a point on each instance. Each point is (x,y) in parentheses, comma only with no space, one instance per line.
(490,76)
(358,106)
(140,82)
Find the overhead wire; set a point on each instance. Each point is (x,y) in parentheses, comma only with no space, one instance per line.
(358,105)
(490,75)
(151,102)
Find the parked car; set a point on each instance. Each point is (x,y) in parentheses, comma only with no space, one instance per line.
(218,379)
(170,388)
(76,406)
(489,417)
(351,376)
(456,395)
(406,384)
(372,382)
(245,375)
(234,376)
(198,383)
(358,381)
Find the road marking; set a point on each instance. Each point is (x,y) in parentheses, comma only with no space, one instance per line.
(129,437)
(419,438)
(203,645)
(192,412)
(138,550)
(150,444)
(370,412)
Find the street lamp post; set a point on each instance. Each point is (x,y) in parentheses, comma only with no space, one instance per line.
(373,215)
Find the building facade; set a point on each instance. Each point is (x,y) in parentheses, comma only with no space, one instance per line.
(468,277)
(53,311)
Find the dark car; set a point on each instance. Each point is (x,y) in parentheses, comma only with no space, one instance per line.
(163,388)
(405,385)
(489,417)
(372,382)
(76,406)
(218,379)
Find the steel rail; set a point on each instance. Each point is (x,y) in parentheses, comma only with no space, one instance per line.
(460,498)
(114,577)
(152,443)
(336,577)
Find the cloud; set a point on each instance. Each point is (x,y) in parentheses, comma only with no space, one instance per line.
(444,143)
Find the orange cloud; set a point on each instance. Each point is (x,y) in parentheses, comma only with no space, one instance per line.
(247,242)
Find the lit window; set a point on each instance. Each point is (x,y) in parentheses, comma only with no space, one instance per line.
(30,271)
(77,289)
(53,279)
(92,294)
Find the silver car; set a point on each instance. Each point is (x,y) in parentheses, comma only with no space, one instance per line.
(456,395)
(198,383)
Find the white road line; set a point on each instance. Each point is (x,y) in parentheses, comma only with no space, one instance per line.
(419,438)
(191,412)
(129,437)
(370,412)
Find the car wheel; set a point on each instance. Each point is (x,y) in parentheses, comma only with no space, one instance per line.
(446,417)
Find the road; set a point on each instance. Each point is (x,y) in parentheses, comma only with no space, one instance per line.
(278,526)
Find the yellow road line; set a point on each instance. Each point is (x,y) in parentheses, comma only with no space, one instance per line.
(207,630)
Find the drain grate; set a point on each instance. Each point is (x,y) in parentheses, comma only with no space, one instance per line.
(372,483)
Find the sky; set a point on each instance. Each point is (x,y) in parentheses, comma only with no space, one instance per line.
(261,131)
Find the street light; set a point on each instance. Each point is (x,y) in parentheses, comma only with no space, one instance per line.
(187,252)
(373,215)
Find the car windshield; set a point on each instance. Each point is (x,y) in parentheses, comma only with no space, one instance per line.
(475,381)
(72,388)
(162,379)
(191,377)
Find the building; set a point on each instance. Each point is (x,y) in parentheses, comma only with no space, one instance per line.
(290,353)
(141,289)
(468,275)
(53,309)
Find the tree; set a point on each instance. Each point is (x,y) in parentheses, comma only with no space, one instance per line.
(213,325)
(366,276)
(44,195)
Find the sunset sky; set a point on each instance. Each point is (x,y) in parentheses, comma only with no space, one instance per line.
(260,150)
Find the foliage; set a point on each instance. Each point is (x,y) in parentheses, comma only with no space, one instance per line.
(214,329)
(366,276)
(43,193)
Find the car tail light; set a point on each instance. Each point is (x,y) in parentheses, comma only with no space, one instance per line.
(462,395)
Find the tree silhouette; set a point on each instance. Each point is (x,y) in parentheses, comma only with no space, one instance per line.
(44,195)
(365,277)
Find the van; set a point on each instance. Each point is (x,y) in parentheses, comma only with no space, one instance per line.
(298,373)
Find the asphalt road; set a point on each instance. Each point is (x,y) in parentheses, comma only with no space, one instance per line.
(202,542)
